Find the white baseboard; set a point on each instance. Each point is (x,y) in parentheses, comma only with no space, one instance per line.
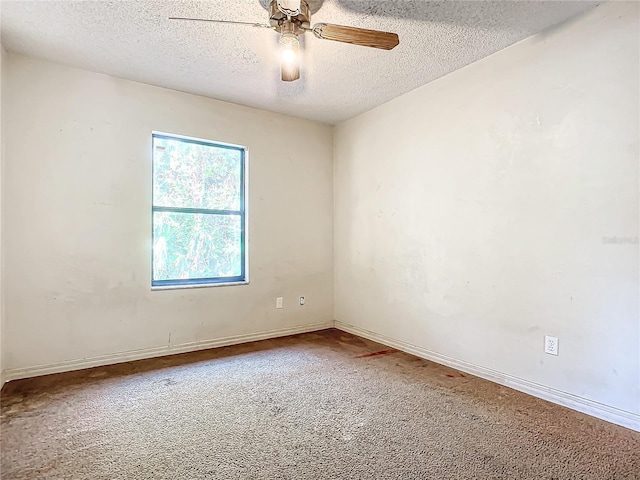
(574,402)
(580,404)
(67,366)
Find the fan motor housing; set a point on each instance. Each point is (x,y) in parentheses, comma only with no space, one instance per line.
(277,18)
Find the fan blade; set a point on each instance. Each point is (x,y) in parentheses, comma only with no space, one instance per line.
(290,71)
(260,25)
(356,36)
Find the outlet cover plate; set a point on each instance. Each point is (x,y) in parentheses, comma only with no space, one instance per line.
(551,345)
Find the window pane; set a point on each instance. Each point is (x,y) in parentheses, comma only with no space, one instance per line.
(191,175)
(193,245)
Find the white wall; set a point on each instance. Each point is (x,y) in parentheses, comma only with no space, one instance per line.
(77,206)
(470,213)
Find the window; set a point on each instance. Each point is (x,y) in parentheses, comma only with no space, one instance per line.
(198,209)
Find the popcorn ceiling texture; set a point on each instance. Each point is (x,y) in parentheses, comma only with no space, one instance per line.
(239,64)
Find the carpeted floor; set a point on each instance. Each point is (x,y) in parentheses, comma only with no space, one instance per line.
(323,405)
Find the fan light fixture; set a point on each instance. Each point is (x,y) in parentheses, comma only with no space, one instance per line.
(289,52)
(290,46)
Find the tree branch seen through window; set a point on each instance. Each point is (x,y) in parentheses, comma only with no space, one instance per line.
(198,212)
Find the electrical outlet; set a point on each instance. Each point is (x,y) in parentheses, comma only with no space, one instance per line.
(551,345)
(301,300)
(279,302)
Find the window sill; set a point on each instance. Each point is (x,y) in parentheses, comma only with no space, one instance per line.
(199,285)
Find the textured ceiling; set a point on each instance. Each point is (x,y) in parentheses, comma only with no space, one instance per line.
(134,40)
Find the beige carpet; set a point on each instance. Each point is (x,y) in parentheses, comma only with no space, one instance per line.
(313,406)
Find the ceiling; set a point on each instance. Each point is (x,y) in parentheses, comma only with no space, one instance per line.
(135,40)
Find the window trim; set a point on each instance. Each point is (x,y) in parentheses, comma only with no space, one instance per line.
(243,278)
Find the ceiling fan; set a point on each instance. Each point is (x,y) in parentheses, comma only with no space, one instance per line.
(291,18)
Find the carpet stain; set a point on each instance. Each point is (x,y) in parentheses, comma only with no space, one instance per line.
(298,407)
(375,354)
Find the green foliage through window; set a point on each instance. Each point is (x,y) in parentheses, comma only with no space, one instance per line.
(198,212)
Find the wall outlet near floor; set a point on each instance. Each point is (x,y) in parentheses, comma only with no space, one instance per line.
(279,302)
(301,300)
(551,345)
